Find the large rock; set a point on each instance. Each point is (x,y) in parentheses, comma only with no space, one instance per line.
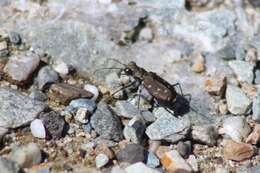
(17,109)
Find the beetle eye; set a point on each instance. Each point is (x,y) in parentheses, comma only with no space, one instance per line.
(128,71)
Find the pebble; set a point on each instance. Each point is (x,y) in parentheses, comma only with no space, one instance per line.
(256,107)
(38,95)
(3,131)
(15,37)
(154,145)
(92,89)
(3,46)
(237,101)
(236,128)
(162,150)
(257,76)
(117,169)
(106,124)
(221,170)
(27,156)
(82,115)
(199,63)
(254,137)
(104,149)
(184,148)
(38,129)
(101,160)
(140,168)
(9,166)
(135,130)
(46,76)
(54,124)
(17,109)
(21,67)
(168,128)
(237,151)
(151,160)
(222,107)
(61,67)
(216,85)
(126,109)
(251,55)
(173,162)
(87,104)
(64,93)
(132,153)
(193,162)
(206,134)
(146,34)
(243,70)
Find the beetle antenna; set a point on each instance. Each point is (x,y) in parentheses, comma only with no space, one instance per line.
(111,68)
(112,59)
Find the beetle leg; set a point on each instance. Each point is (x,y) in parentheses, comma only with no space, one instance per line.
(124,87)
(179,86)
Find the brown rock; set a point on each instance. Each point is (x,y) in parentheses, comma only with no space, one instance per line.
(162,150)
(104,149)
(215,85)
(249,89)
(64,93)
(198,65)
(254,137)
(237,151)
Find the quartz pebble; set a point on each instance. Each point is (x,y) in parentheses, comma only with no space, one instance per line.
(93,89)
(61,67)
(38,129)
(140,168)
(101,160)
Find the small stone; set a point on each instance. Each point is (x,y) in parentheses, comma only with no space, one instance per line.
(20,67)
(61,67)
(222,107)
(193,162)
(54,124)
(184,148)
(173,162)
(238,103)
(251,55)
(236,128)
(221,170)
(101,160)
(199,63)
(257,76)
(146,34)
(154,145)
(38,95)
(249,89)
(92,89)
(117,169)
(15,37)
(171,129)
(140,168)
(3,131)
(227,52)
(243,70)
(216,85)
(256,107)
(64,93)
(82,115)
(104,149)
(152,160)
(134,131)
(17,109)
(126,109)
(3,45)
(46,76)
(27,156)
(162,150)
(237,151)
(206,134)
(9,166)
(87,104)
(38,129)
(132,153)
(106,124)
(254,137)
(113,82)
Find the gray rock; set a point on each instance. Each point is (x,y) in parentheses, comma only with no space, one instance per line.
(243,70)
(256,107)
(255,3)
(8,166)
(101,160)
(46,76)
(206,134)
(152,160)
(134,131)
(227,53)
(140,168)
(20,67)
(237,101)
(74,105)
(15,37)
(184,148)
(27,156)
(16,109)
(132,153)
(38,95)
(126,109)
(168,128)
(3,131)
(106,124)
(257,76)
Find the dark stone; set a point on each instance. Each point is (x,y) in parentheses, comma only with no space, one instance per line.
(184,148)
(15,37)
(132,153)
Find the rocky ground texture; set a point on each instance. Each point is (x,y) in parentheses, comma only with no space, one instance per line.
(61,67)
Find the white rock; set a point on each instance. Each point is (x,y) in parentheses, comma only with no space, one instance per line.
(38,129)
(101,160)
(93,89)
(117,169)
(236,128)
(61,67)
(81,115)
(140,167)
(192,161)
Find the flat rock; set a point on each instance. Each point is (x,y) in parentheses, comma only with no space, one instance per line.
(17,109)
(237,151)
(132,153)
(19,68)
(8,166)
(206,134)
(243,70)
(140,168)
(46,76)
(237,101)
(168,128)
(64,93)
(173,162)
(105,123)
